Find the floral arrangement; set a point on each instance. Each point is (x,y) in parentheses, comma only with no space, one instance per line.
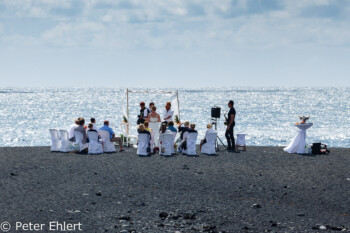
(177,119)
(125,120)
(303,119)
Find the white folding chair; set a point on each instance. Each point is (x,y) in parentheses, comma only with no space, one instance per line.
(55,140)
(240,142)
(95,147)
(66,145)
(142,144)
(209,146)
(191,144)
(127,138)
(151,142)
(179,144)
(173,148)
(79,141)
(167,145)
(108,146)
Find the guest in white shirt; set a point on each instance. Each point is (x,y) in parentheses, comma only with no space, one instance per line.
(209,130)
(168,113)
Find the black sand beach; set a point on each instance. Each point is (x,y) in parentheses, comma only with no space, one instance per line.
(261,190)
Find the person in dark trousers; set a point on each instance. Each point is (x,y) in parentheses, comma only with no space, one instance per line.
(143,113)
(231,146)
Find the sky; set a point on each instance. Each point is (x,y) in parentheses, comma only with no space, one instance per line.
(174,43)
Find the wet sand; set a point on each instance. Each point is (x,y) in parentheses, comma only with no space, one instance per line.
(261,190)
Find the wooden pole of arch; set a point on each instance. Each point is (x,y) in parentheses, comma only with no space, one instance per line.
(178,104)
(127,109)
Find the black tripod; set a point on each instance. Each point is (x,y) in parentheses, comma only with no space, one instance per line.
(218,140)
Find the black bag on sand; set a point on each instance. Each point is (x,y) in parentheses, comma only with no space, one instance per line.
(319,149)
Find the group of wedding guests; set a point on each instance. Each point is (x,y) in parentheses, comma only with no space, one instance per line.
(168,128)
(150,114)
(79,125)
(147,116)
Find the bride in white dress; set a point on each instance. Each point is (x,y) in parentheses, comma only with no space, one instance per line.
(154,123)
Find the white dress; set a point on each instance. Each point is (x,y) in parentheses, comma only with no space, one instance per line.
(154,125)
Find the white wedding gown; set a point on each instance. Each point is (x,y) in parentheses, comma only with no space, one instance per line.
(154,125)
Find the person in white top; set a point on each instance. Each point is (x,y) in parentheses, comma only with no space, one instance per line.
(71,130)
(153,116)
(168,113)
(154,121)
(209,130)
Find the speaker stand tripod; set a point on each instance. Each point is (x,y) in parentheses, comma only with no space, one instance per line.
(218,139)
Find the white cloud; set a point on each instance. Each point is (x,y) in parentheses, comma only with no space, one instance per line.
(184,24)
(73,34)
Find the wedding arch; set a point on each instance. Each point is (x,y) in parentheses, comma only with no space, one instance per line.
(174,100)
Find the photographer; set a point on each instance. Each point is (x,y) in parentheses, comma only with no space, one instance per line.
(143,113)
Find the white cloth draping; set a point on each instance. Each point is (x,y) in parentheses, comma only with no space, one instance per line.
(297,145)
(175,105)
(71,130)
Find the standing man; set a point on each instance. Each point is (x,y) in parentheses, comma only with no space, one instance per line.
(168,113)
(143,113)
(150,106)
(229,129)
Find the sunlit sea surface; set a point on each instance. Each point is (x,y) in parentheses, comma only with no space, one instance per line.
(265,115)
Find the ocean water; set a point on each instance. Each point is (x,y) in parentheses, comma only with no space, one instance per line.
(265,115)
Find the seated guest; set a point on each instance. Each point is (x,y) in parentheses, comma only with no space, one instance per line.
(209,130)
(163,130)
(183,143)
(71,130)
(183,129)
(142,130)
(91,129)
(93,122)
(171,127)
(147,126)
(80,128)
(112,136)
(192,128)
